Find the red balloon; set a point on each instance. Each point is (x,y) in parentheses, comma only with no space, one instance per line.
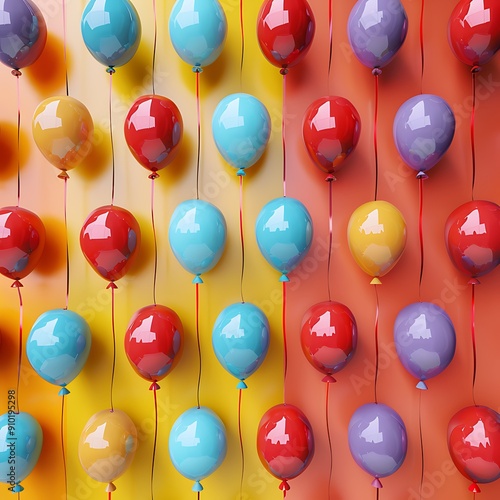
(153,131)
(472,236)
(331,130)
(474,31)
(474,444)
(109,239)
(285,30)
(154,341)
(329,337)
(285,442)
(22,239)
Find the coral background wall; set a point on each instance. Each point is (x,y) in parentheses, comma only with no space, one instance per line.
(448,186)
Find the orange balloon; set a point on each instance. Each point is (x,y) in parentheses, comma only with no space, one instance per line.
(107,445)
(63,130)
(377,237)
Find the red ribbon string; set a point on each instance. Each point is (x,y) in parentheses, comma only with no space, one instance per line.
(155,241)
(198,133)
(473,335)
(154,47)
(63,448)
(330,31)
(18,285)
(242,31)
(472,128)
(109,495)
(17,74)
(65,208)
(422,53)
(327,419)
(285,347)
(65,46)
(113,332)
(155,438)
(376,343)
(284,71)
(240,437)
(422,463)
(242,240)
(376,73)
(198,342)
(420,230)
(111,72)
(330,233)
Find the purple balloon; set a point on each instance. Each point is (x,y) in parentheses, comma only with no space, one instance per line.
(425,340)
(23,33)
(377,30)
(423,129)
(377,440)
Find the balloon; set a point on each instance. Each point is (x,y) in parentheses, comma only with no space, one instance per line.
(154,341)
(474,444)
(474,31)
(23,33)
(331,129)
(197,444)
(63,131)
(377,237)
(21,441)
(22,239)
(285,442)
(328,336)
(285,31)
(425,340)
(376,30)
(377,440)
(240,339)
(153,131)
(198,30)
(241,127)
(197,236)
(58,346)
(109,239)
(284,234)
(423,129)
(107,445)
(472,236)
(111,31)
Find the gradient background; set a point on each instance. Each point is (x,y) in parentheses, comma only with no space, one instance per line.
(89,187)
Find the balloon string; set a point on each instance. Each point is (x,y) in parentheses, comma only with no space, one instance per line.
(422,468)
(155,43)
(198,342)
(111,71)
(198,135)
(330,30)
(63,450)
(66,233)
(18,285)
(330,236)
(242,451)
(420,231)
(422,53)
(18,74)
(242,31)
(378,493)
(327,418)
(65,46)
(283,131)
(472,130)
(242,240)
(375,126)
(376,342)
(155,242)
(113,366)
(473,334)
(109,495)
(155,438)
(285,347)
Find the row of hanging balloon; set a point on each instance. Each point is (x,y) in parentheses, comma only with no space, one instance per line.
(423,131)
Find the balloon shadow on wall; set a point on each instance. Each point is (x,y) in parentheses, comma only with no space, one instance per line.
(48,73)
(99,159)
(145,250)
(135,78)
(182,164)
(8,150)
(53,257)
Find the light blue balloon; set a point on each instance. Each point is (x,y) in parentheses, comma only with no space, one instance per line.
(240,339)
(284,234)
(241,127)
(58,346)
(197,444)
(111,30)
(197,236)
(198,30)
(21,441)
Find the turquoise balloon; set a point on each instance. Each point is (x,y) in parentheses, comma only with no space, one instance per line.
(111,30)
(21,441)
(197,444)
(58,346)
(241,127)
(198,30)
(240,339)
(284,234)
(197,236)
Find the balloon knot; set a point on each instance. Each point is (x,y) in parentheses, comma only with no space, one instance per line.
(110,487)
(17,488)
(422,175)
(197,69)
(112,285)
(16,73)
(153,176)
(197,486)
(63,175)
(197,279)
(422,386)
(110,70)
(474,488)
(283,70)
(376,71)
(241,385)
(330,178)
(376,483)
(473,281)
(63,391)
(284,278)
(328,379)
(240,172)
(154,386)
(284,486)
(16,284)
(375,281)
(475,69)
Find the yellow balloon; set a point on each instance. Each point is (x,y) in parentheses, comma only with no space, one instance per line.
(63,130)
(107,445)
(377,237)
